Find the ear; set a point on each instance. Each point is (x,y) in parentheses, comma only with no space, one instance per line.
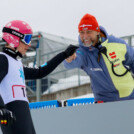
(98,33)
(20,42)
(7,45)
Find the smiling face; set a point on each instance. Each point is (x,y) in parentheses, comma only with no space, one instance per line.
(22,48)
(89,37)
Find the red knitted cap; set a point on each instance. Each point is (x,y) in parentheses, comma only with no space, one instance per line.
(88,22)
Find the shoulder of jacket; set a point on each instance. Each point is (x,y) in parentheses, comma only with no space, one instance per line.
(81,51)
(3,56)
(113,39)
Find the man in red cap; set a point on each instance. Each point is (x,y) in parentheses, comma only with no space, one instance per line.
(108,60)
(89,30)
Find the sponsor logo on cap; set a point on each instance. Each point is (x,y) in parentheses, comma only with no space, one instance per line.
(84,28)
(86,25)
(17,34)
(15,28)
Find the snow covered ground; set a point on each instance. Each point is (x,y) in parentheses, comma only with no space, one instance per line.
(84,96)
(66,83)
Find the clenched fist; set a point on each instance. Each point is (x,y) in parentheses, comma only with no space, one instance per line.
(70,58)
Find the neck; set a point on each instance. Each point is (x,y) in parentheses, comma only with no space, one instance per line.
(12,48)
(12,52)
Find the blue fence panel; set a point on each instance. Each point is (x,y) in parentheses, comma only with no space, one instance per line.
(81,101)
(45,104)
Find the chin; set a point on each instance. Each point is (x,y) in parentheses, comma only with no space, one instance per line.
(24,53)
(86,44)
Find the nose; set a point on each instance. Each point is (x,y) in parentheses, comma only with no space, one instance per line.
(86,36)
(29,45)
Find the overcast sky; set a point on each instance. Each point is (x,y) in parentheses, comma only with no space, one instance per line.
(61,17)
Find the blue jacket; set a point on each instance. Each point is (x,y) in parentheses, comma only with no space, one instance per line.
(105,85)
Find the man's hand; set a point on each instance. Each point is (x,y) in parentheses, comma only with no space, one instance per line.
(7,117)
(70,58)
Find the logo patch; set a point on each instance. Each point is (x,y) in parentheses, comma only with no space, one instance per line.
(116,65)
(86,25)
(112,55)
(96,69)
(22,74)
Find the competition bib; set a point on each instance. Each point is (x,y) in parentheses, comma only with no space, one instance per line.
(19,91)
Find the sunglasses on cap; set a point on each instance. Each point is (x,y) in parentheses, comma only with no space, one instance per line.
(26,38)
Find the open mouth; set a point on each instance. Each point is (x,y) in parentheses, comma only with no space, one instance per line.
(87,42)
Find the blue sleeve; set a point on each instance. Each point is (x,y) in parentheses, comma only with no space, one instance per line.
(129,57)
(79,62)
